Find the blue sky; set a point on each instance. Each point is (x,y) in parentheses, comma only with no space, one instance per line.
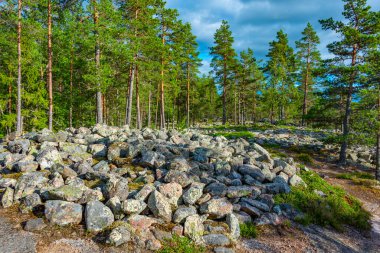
(254,23)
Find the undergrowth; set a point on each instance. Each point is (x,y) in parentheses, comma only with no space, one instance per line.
(179,244)
(235,135)
(248,230)
(352,175)
(335,209)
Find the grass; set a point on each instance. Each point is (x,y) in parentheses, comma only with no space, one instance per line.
(336,209)
(235,135)
(305,158)
(179,244)
(355,175)
(248,230)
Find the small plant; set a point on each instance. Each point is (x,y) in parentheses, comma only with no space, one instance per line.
(248,230)
(180,244)
(305,158)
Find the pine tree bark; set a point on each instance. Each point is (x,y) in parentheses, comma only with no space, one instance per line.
(378,137)
(188,97)
(71,88)
(305,91)
(130,97)
(50,65)
(149,108)
(138,112)
(99,100)
(162,95)
(19,87)
(224,119)
(346,120)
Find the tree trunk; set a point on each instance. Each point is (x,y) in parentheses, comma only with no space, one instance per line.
(138,112)
(346,120)
(71,88)
(130,97)
(19,88)
(305,91)
(188,97)
(378,137)
(224,119)
(99,100)
(50,65)
(149,108)
(162,95)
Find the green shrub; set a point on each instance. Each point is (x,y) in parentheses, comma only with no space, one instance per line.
(179,244)
(305,158)
(335,209)
(248,230)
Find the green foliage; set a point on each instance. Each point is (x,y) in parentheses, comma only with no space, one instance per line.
(336,209)
(179,244)
(248,230)
(235,135)
(305,158)
(352,175)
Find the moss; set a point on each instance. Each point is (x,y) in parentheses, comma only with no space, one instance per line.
(179,244)
(135,185)
(336,209)
(93,183)
(248,230)
(13,175)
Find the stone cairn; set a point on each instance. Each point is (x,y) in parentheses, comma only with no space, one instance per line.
(144,186)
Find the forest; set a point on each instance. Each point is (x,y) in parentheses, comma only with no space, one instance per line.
(75,63)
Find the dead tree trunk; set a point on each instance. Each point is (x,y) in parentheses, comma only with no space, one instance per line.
(99,99)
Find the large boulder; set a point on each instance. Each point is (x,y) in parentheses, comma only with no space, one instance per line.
(118,150)
(48,157)
(193,193)
(62,212)
(65,192)
(28,183)
(19,146)
(98,216)
(172,191)
(194,228)
(160,206)
(217,208)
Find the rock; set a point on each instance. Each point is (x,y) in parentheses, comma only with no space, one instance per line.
(63,213)
(66,192)
(133,206)
(144,192)
(182,213)
(242,191)
(243,217)
(19,146)
(7,182)
(233,223)
(28,166)
(267,219)
(217,208)
(216,189)
(179,177)
(223,250)
(193,193)
(253,211)
(119,236)
(116,207)
(194,228)
(202,154)
(117,187)
(48,157)
(56,180)
(72,148)
(141,222)
(118,150)
(7,198)
(34,225)
(258,204)
(28,183)
(152,159)
(102,167)
(98,150)
(98,216)
(276,188)
(160,206)
(179,163)
(172,191)
(216,240)
(295,180)
(253,171)
(28,203)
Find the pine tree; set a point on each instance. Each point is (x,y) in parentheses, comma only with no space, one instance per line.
(356,36)
(309,57)
(223,61)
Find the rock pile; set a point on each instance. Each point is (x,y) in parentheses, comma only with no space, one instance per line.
(144,185)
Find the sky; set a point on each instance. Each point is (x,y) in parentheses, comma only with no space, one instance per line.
(254,23)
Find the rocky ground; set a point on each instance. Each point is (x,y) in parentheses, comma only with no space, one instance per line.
(107,189)
(134,189)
